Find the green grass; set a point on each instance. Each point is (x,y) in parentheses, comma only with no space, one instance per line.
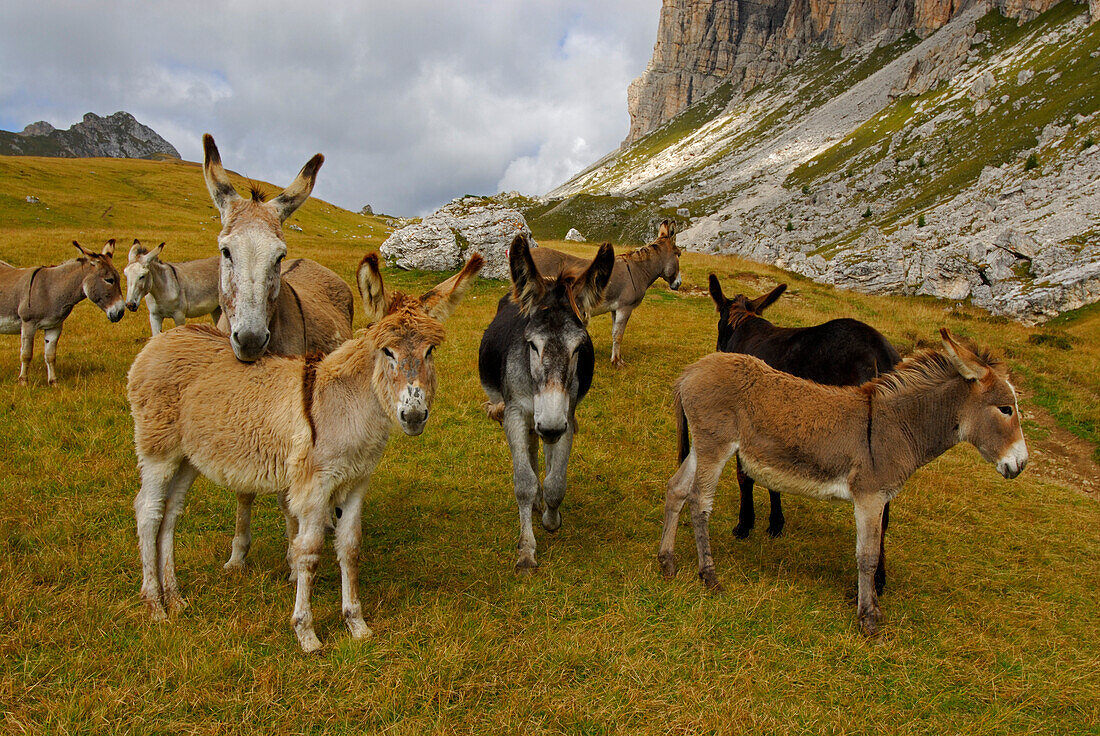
(990,610)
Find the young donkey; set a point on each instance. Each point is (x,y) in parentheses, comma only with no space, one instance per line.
(851,443)
(310,427)
(41,298)
(633,273)
(535,363)
(171,290)
(840,352)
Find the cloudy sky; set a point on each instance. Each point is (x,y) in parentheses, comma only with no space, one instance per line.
(412,102)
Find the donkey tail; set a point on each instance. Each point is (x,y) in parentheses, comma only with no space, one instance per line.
(683,442)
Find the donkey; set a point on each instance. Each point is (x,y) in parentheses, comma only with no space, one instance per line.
(175,290)
(305,308)
(633,273)
(536,362)
(311,428)
(840,352)
(41,298)
(850,443)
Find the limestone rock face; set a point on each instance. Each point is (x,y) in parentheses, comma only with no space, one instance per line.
(446,239)
(115,136)
(574,235)
(702,43)
(1094,10)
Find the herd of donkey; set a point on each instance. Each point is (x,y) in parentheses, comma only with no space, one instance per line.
(282,398)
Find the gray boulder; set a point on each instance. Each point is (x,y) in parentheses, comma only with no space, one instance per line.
(446,239)
(574,236)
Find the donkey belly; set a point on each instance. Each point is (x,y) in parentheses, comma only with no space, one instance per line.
(790,481)
(10,324)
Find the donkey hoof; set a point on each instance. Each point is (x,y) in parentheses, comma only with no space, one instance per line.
(22,381)
(359,629)
(741,531)
(309,642)
(156,610)
(775,530)
(668,565)
(618,362)
(868,623)
(710,579)
(551,520)
(526,565)
(234,566)
(175,602)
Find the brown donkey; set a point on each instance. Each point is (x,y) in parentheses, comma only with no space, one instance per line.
(309,428)
(633,274)
(848,443)
(33,299)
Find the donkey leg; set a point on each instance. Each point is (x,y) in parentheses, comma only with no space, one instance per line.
(679,488)
(166,544)
(746,514)
(156,323)
(526,483)
(557,461)
(242,533)
(26,349)
(702,502)
(149,512)
(868,541)
(349,535)
(775,517)
(179,318)
(880,571)
(291,532)
(307,554)
(618,327)
(49,347)
(533,456)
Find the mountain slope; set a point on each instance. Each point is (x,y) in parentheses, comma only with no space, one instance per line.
(115,136)
(901,168)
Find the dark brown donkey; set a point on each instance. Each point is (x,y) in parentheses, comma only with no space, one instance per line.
(840,352)
(33,299)
(634,272)
(847,443)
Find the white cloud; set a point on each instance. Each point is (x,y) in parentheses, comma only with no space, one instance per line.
(412,103)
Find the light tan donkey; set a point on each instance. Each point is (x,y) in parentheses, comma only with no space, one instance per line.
(173,291)
(633,274)
(847,443)
(41,298)
(310,428)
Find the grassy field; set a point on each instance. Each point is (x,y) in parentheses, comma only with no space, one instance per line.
(991,608)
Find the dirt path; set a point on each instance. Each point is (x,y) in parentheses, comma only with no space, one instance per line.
(1061,456)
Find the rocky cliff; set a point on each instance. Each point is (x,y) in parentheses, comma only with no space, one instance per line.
(961,165)
(702,43)
(115,136)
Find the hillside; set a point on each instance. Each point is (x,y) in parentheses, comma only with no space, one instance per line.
(116,136)
(963,165)
(990,608)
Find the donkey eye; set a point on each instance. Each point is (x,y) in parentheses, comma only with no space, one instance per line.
(110,279)
(280,258)
(1006,410)
(428,352)
(388,353)
(225,254)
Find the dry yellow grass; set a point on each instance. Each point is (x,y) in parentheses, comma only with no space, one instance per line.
(990,609)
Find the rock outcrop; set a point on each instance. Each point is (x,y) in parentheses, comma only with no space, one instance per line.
(115,136)
(574,236)
(445,239)
(702,43)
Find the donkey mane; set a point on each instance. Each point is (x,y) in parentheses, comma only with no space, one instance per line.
(256,193)
(924,369)
(568,278)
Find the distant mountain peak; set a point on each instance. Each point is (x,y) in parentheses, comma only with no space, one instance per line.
(116,136)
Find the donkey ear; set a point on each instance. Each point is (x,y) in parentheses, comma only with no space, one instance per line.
(153,254)
(663,231)
(137,250)
(591,284)
(217,181)
(716,293)
(527,283)
(441,301)
(760,303)
(109,249)
(376,302)
(966,363)
(83,251)
(295,195)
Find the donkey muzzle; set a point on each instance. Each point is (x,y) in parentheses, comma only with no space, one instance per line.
(132,306)
(115,312)
(249,345)
(1014,461)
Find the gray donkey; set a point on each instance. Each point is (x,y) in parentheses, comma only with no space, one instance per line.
(536,362)
(40,298)
(171,290)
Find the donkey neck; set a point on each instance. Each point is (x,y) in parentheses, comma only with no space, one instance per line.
(163,283)
(912,428)
(63,284)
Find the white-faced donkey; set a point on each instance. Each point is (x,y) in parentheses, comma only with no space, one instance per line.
(310,427)
(536,362)
(173,291)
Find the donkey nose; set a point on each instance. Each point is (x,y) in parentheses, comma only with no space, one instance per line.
(549,434)
(248,345)
(413,421)
(132,306)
